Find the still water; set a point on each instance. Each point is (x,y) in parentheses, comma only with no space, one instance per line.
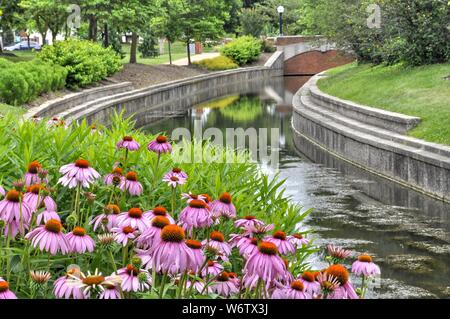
(407,233)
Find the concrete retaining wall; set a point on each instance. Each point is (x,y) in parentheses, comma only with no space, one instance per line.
(369,138)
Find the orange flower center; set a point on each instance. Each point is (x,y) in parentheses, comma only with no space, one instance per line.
(132,271)
(250,217)
(217,236)
(254,241)
(127,230)
(34,167)
(211,263)
(279,235)
(160,222)
(93,280)
(232,274)
(35,189)
(225,198)
(53,226)
(159,211)
(309,276)
(297,285)
(127,138)
(13,196)
(79,231)
(114,209)
(132,176)
(176,170)
(339,272)
(173,234)
(268,248)
(4,286)
(365,258)
(82,163)
(224,276)
(207,198)
(298,236)
(197,203)
(174,179)
(194,244)
(161,139)
(135,212)
(117,171)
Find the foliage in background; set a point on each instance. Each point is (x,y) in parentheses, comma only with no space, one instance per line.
(243,50)
(217,64)
(86,62)
(252,22)
(149,46)
(414,32)
(22,82)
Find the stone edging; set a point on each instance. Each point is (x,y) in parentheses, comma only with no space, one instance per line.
(347,130)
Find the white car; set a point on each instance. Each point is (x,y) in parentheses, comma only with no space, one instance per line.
(23,46)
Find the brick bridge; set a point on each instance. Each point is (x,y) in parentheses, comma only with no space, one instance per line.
(309,55)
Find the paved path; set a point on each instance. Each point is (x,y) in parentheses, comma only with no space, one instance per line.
(197,57)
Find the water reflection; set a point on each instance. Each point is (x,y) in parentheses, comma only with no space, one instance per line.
(408,233)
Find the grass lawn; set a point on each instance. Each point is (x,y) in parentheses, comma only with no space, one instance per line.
(178,52)
(8,109)
(19,55)
(420,91)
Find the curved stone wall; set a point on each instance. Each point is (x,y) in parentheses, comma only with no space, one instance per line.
(370,139)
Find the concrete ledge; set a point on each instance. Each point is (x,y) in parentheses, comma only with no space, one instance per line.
(411,162)
(53,107)
(276,61)
(388,120)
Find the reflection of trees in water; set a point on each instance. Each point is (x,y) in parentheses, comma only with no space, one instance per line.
(247,108)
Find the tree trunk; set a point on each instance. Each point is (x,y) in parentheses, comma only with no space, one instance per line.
(134,40)
(28,40)
(188,52)
(92,28)
(106,32)
(170,52)
(54,34)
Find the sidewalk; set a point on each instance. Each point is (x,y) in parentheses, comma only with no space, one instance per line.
(197,57)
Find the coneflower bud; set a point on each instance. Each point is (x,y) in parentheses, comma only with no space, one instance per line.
(19,185)
(116,180)
(40,277)
(42,173)
(106,239)
(90,197)
(227,266)
(142,277)
(2,223)
(211,252)
(136,261)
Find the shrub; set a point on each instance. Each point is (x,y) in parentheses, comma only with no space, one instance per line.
(85,61)
(243,50)
(252,22)
(217,64)
(268,47)
(22,82)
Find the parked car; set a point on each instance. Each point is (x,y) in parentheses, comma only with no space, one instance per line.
(23,46)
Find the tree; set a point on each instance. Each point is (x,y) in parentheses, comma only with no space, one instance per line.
(252,22)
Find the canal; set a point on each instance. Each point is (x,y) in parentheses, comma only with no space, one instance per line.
(408,234)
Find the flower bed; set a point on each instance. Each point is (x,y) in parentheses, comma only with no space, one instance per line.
(91,212)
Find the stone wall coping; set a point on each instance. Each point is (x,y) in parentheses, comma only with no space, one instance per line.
(428,152)
(273,59)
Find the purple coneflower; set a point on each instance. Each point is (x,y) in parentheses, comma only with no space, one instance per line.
(128,143)
(298,240)
(108,219)
(190,197)
(158,211)
(134,279)
(223,207)
(328,284)
(152,234)
(131,184)
(134,218)
(171,254)
(78,174)
(247,246)
(199,285)
(79,242)
(123,234)
(173,180)
(217,241)
(284,246)
(337,253)
(160,145)
(49,237)
(114,178)
(256,229)
(265,264)
(248,221)
(197,253)
(365,266)
(36,195)
(15,213)
(312,286)
(5,293)
(196,215)
(223,286)
(32,175)
(212,268)
(110,291)
(96,282)
(179,173)
(295,290)
(62,289)
(345,289)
